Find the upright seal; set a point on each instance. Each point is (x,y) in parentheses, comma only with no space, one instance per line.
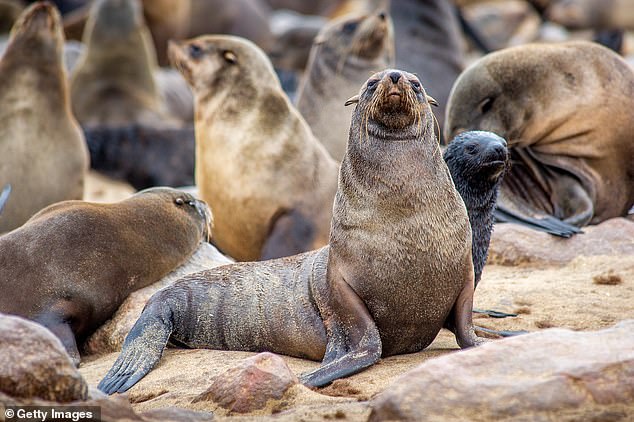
(72,264)
(397,269)
(344,53)
(269,181)
(43,154)
(564,110)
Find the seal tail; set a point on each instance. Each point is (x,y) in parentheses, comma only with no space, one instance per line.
(142,349)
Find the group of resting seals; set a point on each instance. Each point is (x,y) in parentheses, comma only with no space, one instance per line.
(397,269)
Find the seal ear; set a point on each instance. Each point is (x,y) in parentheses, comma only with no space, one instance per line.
(352,100)
(230,56)
(431,100)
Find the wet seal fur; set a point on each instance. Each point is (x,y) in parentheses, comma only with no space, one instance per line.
(343,54)
(270,182)
(398,267)
(562,109)
(42,150)
(72,264)
(477,161)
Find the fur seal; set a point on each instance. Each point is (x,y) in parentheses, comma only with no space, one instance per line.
(596,14)
(43,154)
(397,268)
(270,182)
(477,161)
(72,264)
(429,43)
(344,53)
(560,106)
(113,83)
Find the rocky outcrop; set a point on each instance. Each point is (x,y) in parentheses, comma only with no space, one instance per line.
(250,385)
(555,374)
(110,336)
(34,364)
(512,244)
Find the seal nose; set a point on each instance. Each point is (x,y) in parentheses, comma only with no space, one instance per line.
(381,16)
(497,149)
(395,76)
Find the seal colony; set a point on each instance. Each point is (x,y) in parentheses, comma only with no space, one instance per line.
(72,264)
(42,150)
(269,181)
(553,103)
(343,54)
(398,267)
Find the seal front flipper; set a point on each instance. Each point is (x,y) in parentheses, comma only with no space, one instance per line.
(60,325)
(290,233)
(548,224)
(142,349)
(4,196)
(354,342)
(460,320)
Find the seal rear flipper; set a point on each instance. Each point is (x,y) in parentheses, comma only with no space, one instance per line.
(548,224)
(142,349)
(290,233)
(4,196)
(354,342)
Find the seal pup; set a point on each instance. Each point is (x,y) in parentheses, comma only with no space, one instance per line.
(477,161)
(270,182)
(73,263)
(561,108)
(397,268)
(343,54)
(113,83)
(43,154)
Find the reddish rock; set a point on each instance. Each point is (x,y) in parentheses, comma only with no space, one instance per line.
(34,364)
(553,375)
(251,385)
(512,244)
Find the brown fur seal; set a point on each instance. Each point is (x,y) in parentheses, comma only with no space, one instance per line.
(397,269)
(344,53)
(113,83)
(429,43)
(9,12)
(42,150)
(564,109)
(72,264)
(269,181)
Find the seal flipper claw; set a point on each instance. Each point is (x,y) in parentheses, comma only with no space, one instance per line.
(142,349)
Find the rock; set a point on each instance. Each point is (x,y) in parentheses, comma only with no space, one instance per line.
(552,375)
(110,336)
(512,244)
(34,364)
(251,385)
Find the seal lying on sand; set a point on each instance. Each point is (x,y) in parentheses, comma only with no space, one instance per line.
(344,53)
(398,266)
(564,109)
(72,264)
(42,150)
(270,182)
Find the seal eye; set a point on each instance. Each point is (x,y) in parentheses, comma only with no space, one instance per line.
(416,85)
(195,51)
(230,56)
(372,83)
(471,149)
(349,27)
(179,201)
(486,105)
